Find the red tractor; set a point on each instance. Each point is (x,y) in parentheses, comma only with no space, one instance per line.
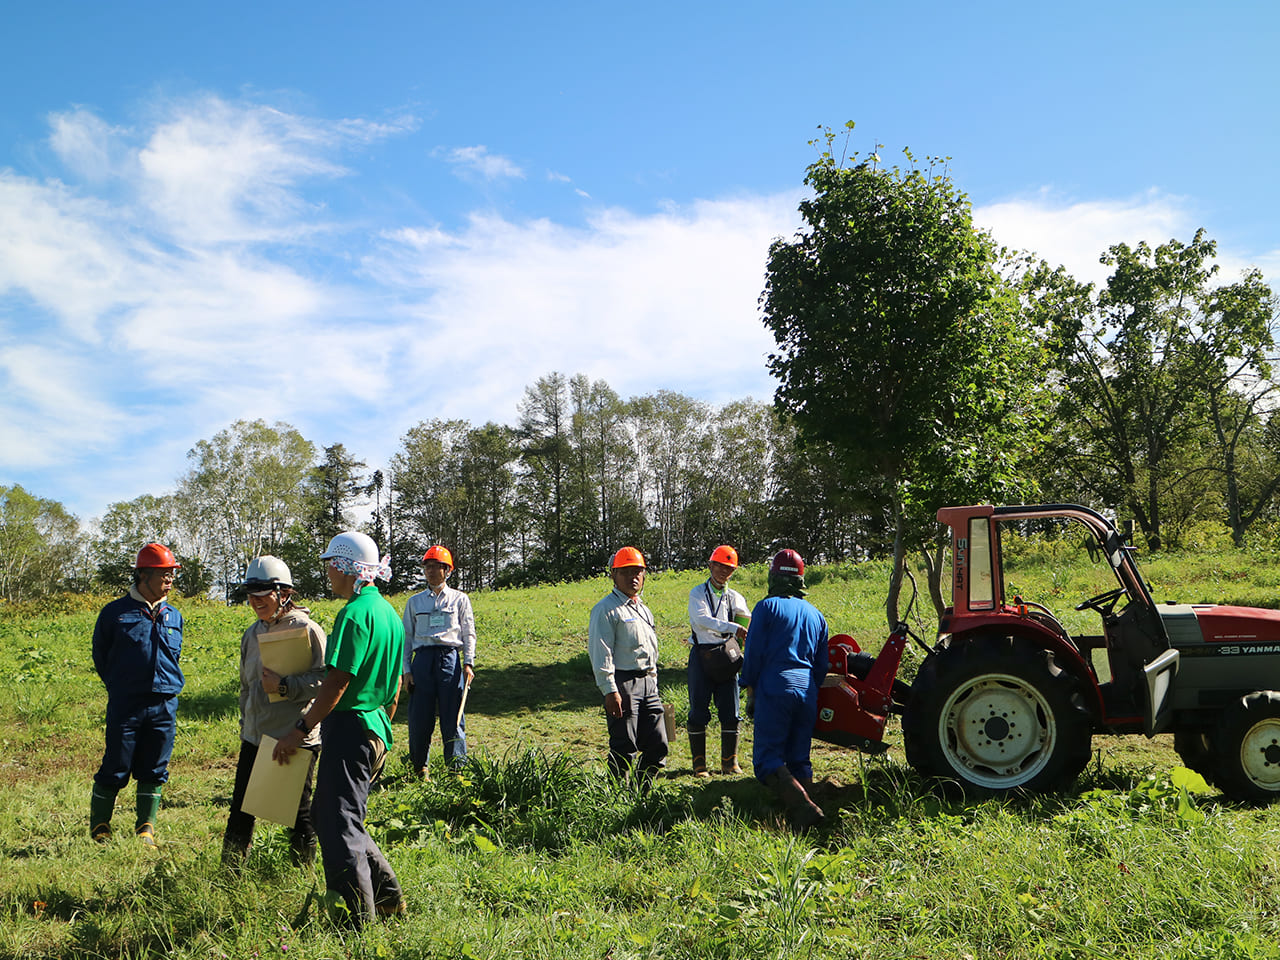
(1007,699)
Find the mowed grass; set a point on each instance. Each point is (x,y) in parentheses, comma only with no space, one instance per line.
(533,852)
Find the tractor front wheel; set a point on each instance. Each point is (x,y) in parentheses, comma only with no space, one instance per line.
(1248,748)
(996,714)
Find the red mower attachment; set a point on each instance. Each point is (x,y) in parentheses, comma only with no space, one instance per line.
(860,692)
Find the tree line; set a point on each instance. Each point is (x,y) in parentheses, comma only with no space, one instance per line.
(919,365)
(548,498)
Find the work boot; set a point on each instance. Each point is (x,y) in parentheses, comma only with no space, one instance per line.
(302,848)
(148,805)
(102,803)
(802,812)
(234,852)
(698,750)
(729,752)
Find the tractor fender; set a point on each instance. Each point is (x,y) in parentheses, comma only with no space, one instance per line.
(1065,654)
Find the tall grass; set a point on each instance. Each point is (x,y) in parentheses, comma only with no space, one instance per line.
(533,851)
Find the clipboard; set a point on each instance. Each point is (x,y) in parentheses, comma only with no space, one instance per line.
(274,790)
(285,652)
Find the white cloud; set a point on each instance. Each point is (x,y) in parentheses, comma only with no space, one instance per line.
(222,173)
(643,302)
(1074,234)
(479,161)
(87,144)
(140,317)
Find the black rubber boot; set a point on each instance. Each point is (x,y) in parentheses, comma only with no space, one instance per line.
(698,750)
(729,752)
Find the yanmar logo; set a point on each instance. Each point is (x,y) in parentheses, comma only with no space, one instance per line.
(1238,649)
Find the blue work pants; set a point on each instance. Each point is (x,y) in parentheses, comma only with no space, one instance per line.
(139,740)
(783,732)
(438,683)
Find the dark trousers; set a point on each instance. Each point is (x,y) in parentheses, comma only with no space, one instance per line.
(438,682)
(703,690)
(139,740)
(782,734)
(239,833)
(354,867)
(640,729)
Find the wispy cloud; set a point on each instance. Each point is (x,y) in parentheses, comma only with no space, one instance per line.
(154,302)
(478,161)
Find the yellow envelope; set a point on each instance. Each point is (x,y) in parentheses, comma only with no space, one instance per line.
(286,652)
(274,790)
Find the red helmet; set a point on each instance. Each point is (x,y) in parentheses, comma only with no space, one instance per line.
(788,561)
(439,554)
(726,555)
(628,557)
(157,556)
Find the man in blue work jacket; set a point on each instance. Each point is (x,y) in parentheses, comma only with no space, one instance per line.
(136,644)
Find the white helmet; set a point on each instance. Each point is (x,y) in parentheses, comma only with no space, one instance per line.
(354,546)
(268,571)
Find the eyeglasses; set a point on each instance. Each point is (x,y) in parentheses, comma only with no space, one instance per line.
(261,594)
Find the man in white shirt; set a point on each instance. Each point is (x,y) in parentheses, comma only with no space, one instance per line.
(623,646)
(439,662)
(717,614)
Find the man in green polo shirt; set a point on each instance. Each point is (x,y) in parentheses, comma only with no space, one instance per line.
(354,709)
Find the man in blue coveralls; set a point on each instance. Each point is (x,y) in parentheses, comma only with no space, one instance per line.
(136,644)
(784,664)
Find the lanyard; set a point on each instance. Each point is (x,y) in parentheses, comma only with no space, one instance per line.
(637,606)
(714,607)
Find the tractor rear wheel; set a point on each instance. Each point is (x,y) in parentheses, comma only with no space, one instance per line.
(996,714)
(1248,748)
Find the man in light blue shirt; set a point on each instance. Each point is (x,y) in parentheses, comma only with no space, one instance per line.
(623,646)
(439,663)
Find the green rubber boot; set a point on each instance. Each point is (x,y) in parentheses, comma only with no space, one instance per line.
(102,803)
(148,806)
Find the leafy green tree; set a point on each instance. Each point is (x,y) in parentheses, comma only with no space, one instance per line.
(543,429)
(248,488)
(900,344)
(335,485)
(38,545)
(1158,353)
(489,483)
(672,444)
(735,481)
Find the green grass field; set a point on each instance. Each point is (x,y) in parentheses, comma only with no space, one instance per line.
(532,852)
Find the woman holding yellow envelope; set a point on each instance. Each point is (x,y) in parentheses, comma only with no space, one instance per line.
(281,668)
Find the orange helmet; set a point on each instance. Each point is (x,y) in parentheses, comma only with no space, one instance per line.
(628,557)
(439,554)
(724,554)
(156,556)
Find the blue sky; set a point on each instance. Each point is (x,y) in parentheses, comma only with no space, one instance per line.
(355,217)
